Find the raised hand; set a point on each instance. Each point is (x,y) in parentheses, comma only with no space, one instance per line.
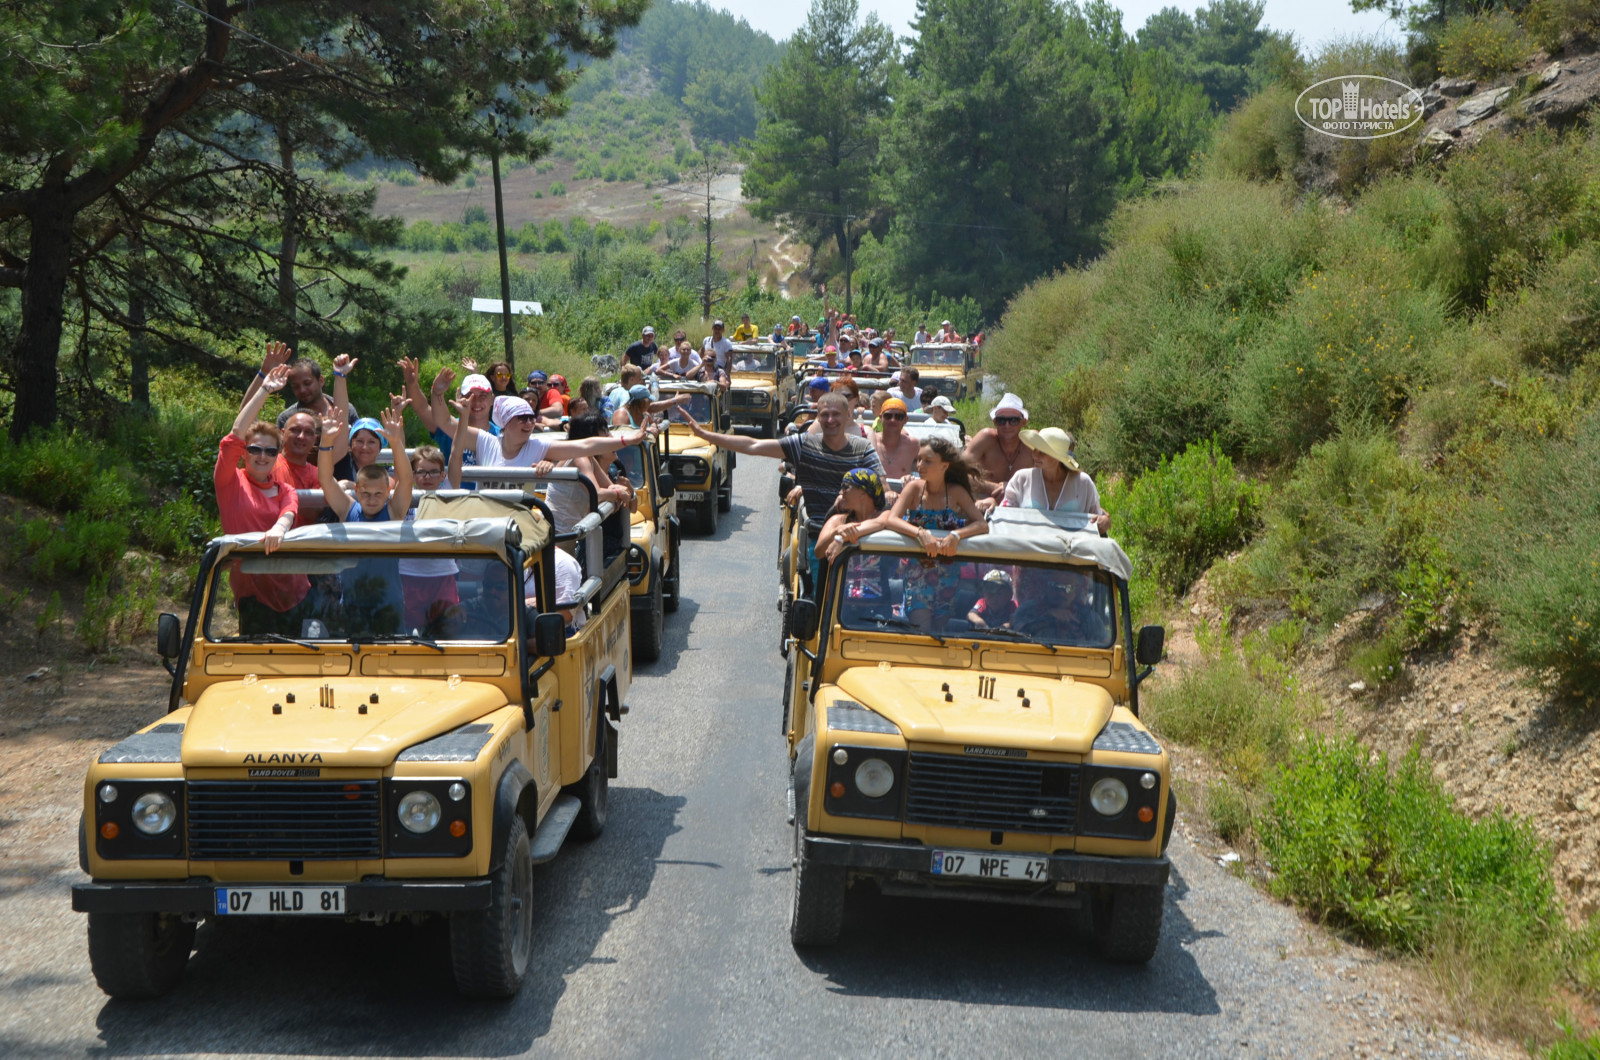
(276,378)
(333,423)
(442,381)
(394,428)
(277,353)
(469,364)
(344,364)
(408,369)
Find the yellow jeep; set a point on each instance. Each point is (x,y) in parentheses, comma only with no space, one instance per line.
(702,473)
(948,367)
(969,728)
(367,724)
(654,563)
(762,389)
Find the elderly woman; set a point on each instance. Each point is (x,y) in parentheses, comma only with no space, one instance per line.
(1055,483)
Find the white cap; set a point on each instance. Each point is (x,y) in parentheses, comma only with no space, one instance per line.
(942,402)
(944,323)
(475,382)
(1009,403)
(648,330)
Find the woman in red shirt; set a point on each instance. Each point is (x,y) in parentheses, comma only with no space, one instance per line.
(255,499)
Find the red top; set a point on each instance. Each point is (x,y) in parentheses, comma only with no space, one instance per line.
(301,477)
(554,398)
(250,507)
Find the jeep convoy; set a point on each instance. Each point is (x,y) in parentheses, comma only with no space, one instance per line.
(702,473)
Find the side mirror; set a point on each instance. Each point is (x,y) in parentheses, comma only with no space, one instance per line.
(1151,641)
(785,484)
(665,484)
(725,424)
(803,618)
(169,636)
(550,635)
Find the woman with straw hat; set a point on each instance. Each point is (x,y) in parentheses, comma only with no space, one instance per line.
(1054,483)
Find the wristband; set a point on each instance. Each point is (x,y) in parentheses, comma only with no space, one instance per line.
(261,373)
(324,448)
(338,373)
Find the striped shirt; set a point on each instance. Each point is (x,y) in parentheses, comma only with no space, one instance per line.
(819,470)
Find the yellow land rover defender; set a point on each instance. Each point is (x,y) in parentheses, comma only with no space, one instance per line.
(375,721)
(702,473)
(654,565)
(969,728)
(762,390)
(948,367)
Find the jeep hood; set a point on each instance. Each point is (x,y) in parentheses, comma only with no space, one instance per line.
(1062,715)
(234,720)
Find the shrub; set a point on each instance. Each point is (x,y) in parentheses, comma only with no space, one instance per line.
(177,528)
(1186,512)
(558,189)
(78,544)
(1482,45)
(51,468)
(1262,139)
(1554,23)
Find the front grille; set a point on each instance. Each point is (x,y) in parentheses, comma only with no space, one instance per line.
(246,820)
(687,470)
(961,791)
(749,399)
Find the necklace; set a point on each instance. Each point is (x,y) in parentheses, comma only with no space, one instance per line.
(1011,461)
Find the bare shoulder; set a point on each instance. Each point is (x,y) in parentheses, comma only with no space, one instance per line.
(982,440)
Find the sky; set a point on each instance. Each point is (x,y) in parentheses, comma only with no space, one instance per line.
(1313,22)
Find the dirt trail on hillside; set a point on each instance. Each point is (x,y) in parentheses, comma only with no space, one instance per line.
(783,264)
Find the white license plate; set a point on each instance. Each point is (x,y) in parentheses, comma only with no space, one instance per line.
(280,901)
(989,866)
(692,495)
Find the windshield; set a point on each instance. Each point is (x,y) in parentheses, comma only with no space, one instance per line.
(754,361)
(344,596)
(628,461)
(936,355)
(1025,602)
(699,407)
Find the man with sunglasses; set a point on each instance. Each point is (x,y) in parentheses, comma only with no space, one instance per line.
(998,451)
(897,450)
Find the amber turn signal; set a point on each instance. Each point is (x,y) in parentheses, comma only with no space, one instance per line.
(1146,814)
(836,789)
(109,830)
(458,828)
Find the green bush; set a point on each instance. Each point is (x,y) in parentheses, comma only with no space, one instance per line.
(177,528)
(1262,139)
(52,468)
(77,544)
(1482,45)
(1186,512)
(1555,23)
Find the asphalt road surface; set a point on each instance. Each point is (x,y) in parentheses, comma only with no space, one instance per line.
(667,937)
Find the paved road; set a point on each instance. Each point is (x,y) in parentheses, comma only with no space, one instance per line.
(667,937)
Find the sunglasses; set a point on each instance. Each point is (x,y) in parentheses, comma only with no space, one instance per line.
(261,450)
(527,418)
(1007,421)
(894,415)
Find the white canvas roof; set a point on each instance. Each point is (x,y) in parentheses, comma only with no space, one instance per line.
(482,534)
(1024,534)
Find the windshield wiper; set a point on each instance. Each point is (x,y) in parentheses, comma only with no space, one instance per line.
(906,624)
(279,638)
(1013,634)
(398,638)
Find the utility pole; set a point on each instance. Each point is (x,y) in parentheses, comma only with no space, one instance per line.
(847,270)
(505,269)
(708,168)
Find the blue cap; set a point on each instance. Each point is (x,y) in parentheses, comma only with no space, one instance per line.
(367,423)
(537,376)
(638,392)
(819,382)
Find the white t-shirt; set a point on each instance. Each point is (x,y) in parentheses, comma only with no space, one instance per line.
(569,581)
(721,348)
(1027,490)
(490,454)
(921,337)
(677,365)
(913,402)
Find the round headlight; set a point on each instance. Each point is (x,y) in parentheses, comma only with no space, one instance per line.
(874,778)
(419,812)
(154,813)
(458,791)
(1109,796)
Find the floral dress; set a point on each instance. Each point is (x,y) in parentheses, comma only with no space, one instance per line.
(931,585)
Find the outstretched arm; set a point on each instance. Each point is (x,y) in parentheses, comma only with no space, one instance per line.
(250,411)
(769,447)
(605,443)
(465,435)
(394,430)
(413,391)
(436,398)
(334,424)
(343,365)
(277,353)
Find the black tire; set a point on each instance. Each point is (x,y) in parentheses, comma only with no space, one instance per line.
(648,620)
(725,494)
(1127,921)
(138,955)
(591,790)
(817,914)
(706,512)
(489,948)
(672,584)
(771,430)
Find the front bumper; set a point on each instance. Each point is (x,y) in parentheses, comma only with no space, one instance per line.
(872,857)
(369,896)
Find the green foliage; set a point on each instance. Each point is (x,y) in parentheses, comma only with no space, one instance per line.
(1552,24)
(1379,662)
(721,104)
(1384,855)
(1482,45)
(1217,49)
(1262,140)
(1533,553)
(1184,513)
(77,544)
(119,605)
(1233,809)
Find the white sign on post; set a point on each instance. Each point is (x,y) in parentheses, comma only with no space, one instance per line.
(494,305)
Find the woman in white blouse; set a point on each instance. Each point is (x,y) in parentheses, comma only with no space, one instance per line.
(1054,483)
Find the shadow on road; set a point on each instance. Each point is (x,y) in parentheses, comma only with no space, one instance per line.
(300,987)
(943,950)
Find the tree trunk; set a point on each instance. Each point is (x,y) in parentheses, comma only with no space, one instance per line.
(291,241)
(44,287)
(138,341)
